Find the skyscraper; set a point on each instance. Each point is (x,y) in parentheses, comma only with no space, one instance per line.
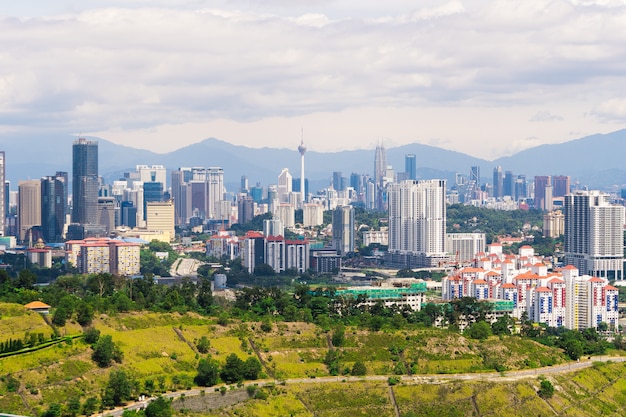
(543,183)
(380,165)
(338,183)
(410,166)
(53,206)
(302,150)
(594,241)
(284,185)
(3,195)
(508,184)
(29,208)
(497,182)
(343,229)
(417,222)
(560,185)
(85,182)
(475,174)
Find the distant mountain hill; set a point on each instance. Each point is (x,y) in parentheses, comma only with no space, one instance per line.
(595,161)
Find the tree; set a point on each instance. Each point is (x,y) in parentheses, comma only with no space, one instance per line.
(91,335)
(119,389)
(54,410)
(161,407)
(60,316)
(203,345)
(358,369)
(546,390)
(90,406)
(232,371)
(338,336)
(84,314)
(479,330)
(251,368)
(503,325)
(208,371)
(105,351)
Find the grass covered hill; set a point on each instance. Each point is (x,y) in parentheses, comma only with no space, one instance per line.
(161,352)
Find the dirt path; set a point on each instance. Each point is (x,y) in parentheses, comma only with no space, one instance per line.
(414,379)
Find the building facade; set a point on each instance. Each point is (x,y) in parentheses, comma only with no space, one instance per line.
(594,241)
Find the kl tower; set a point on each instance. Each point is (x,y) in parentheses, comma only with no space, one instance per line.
(302,150)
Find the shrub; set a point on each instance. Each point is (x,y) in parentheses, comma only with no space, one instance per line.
(358,369)
(546,390)
(203,345)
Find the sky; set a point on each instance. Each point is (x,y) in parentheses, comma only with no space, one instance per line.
(487,78)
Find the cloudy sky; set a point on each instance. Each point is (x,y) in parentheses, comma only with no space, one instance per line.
(487,78)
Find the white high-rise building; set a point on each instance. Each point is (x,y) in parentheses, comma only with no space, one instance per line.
(154,173)
(594,241)
(417,222)
(285,180)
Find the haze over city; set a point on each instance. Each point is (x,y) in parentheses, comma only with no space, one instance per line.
(484,78)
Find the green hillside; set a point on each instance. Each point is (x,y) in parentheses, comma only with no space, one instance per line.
(161,354)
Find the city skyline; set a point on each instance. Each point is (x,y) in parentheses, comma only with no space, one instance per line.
(350,73)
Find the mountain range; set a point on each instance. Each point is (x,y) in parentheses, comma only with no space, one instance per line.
(594,161)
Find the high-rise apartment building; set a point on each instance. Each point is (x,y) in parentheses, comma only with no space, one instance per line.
(594,240)
(29,208)
(343,229)
(410,166)
(53,206)
(417,222)
(85,182)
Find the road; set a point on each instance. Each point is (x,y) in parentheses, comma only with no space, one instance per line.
(414,379)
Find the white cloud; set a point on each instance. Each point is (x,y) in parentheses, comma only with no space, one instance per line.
(134,69)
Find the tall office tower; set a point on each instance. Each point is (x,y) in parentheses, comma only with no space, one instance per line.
(380,170)
(216,189)
(106,213)
(343,229)
(475,175)
(380,164)
(152,191)
(508,184)
(85,182)
(243,187)
(497,182)
(178,185)
(410,166)
(284,185)
(417,217)
(4,196)
(338,184)
(560,185)
(521,190)
(28,208)
(355,182)
(302,150)
(594,241)
(53,206)
(541,183)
